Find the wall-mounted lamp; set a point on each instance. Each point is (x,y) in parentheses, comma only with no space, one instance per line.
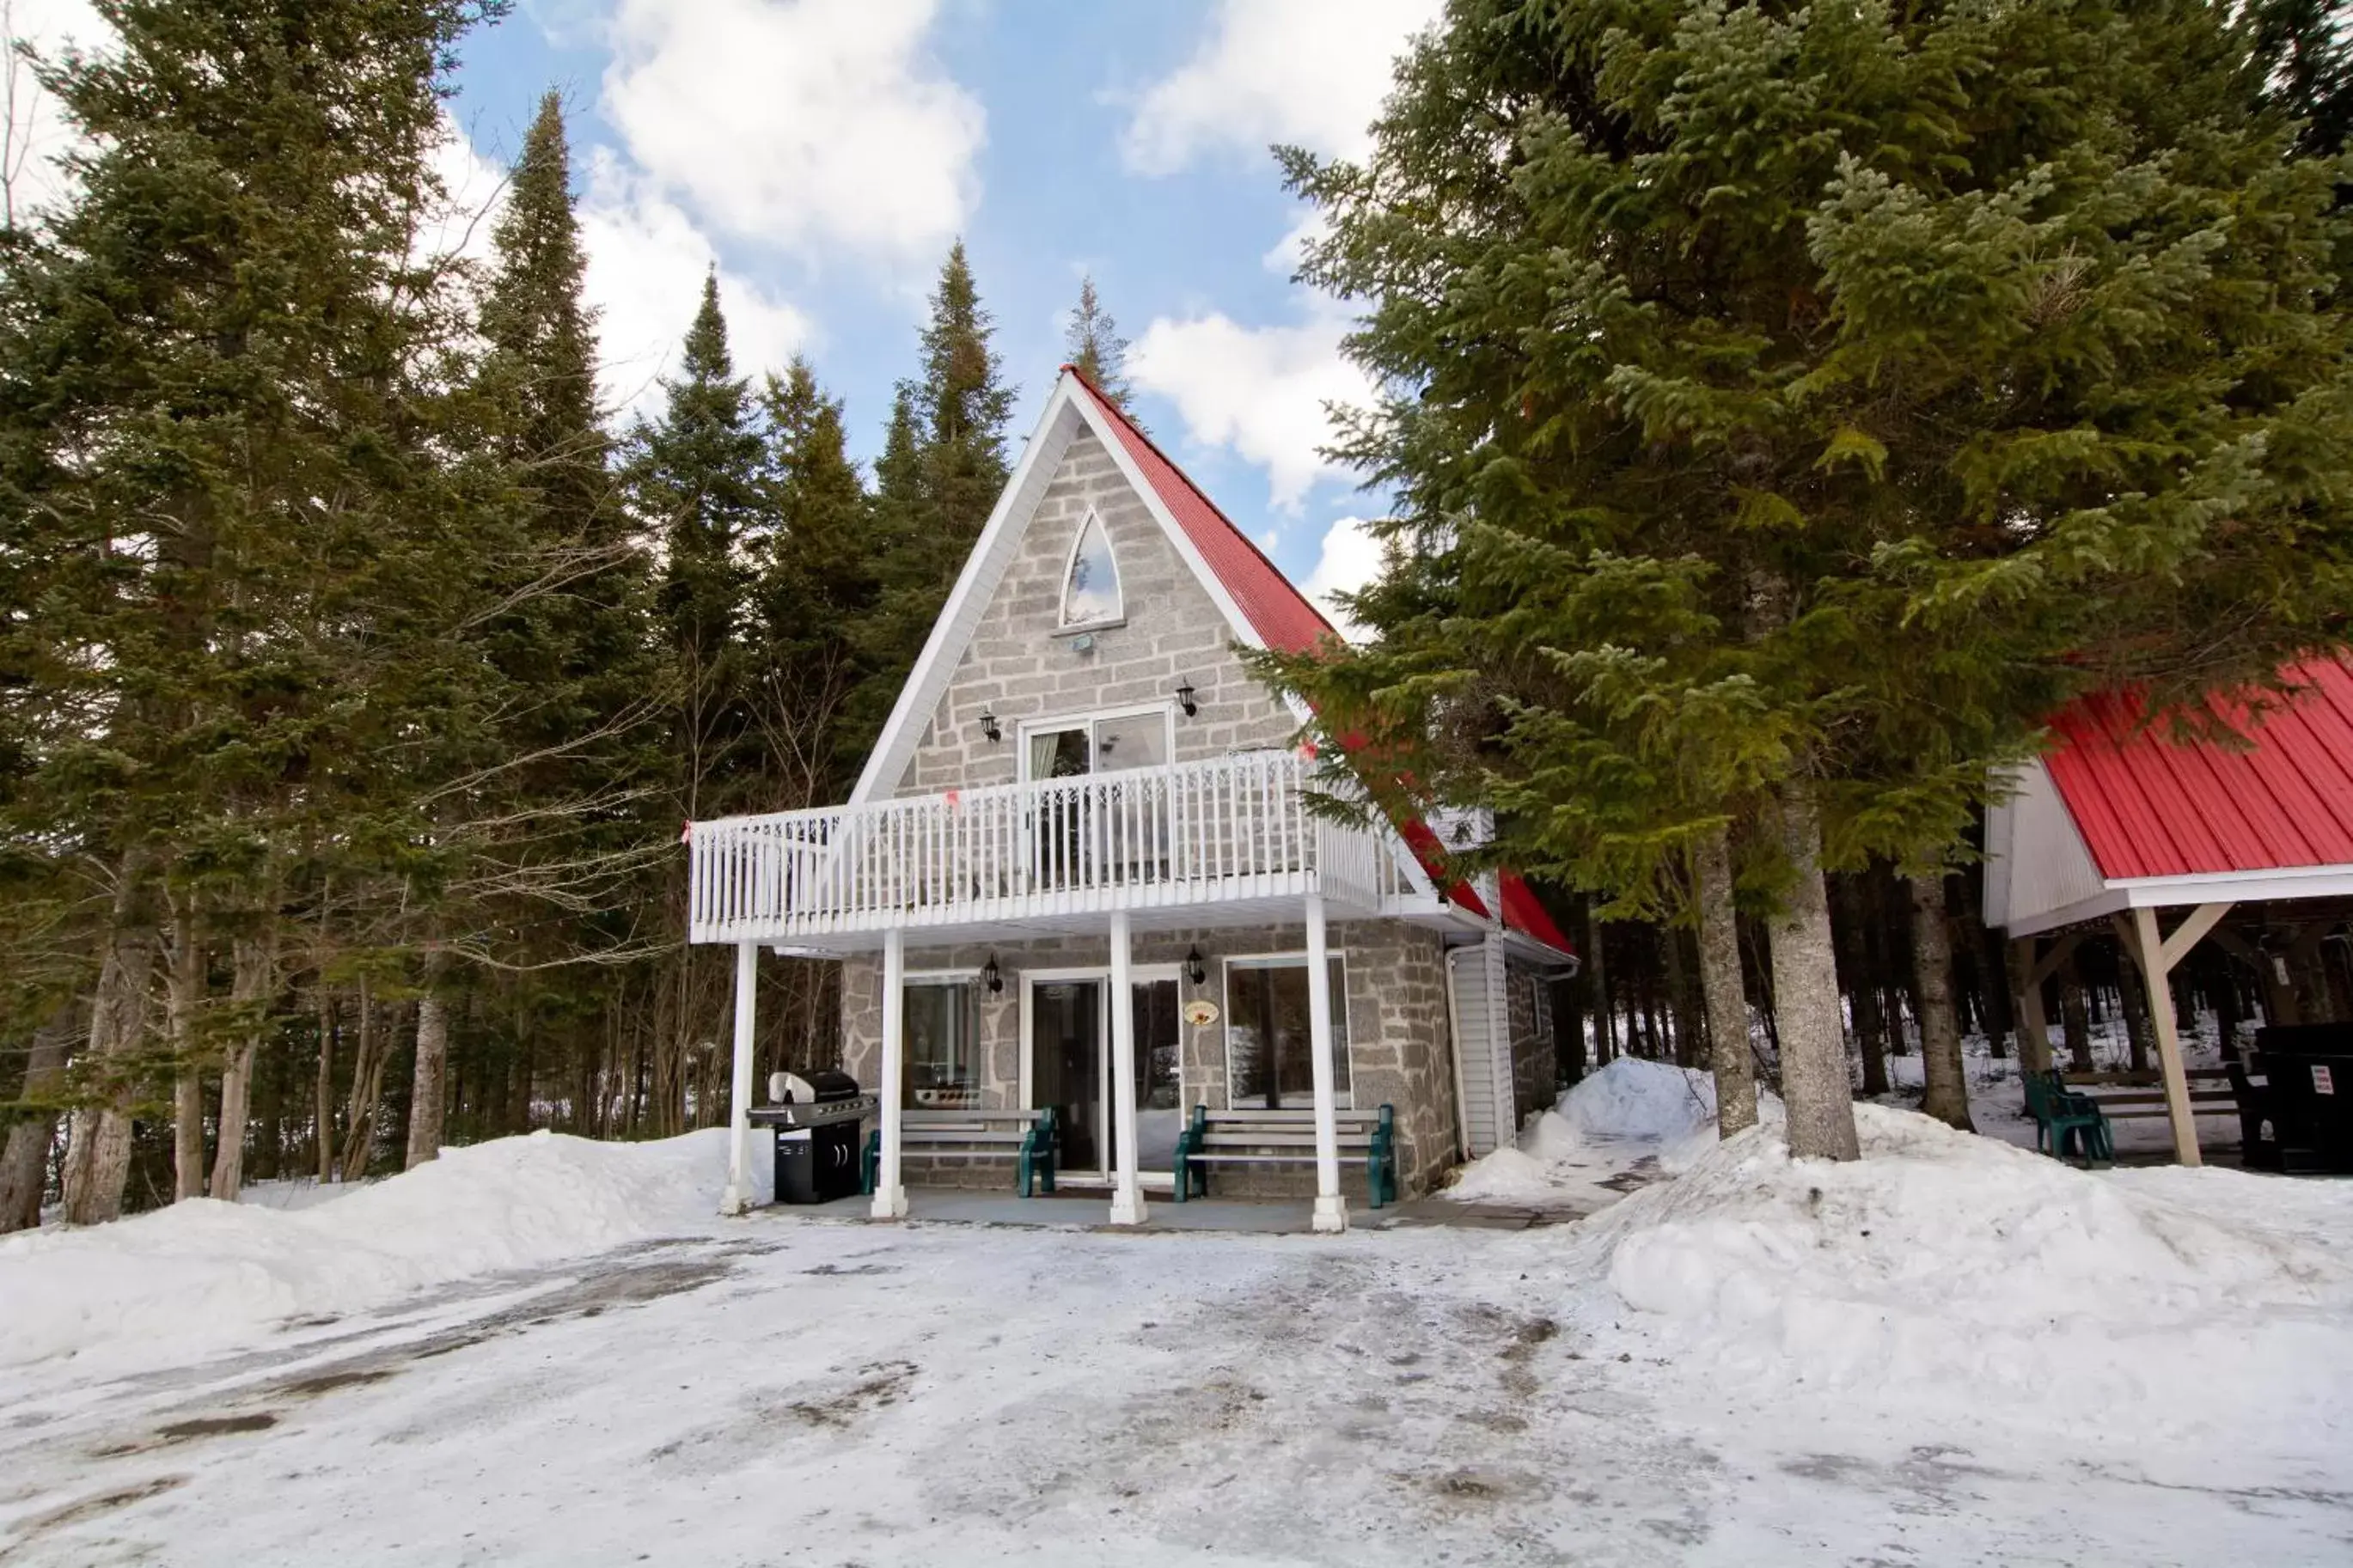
(991,976)
(1195,970)
(1184,697)
(988,726)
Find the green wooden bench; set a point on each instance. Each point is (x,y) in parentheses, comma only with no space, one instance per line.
(974,1134)
(2061,1117)
(2123,1095)
(1284,1138)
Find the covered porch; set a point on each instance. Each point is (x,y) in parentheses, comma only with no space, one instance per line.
(922,884)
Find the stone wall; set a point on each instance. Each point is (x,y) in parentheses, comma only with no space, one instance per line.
(1399,1052)
(1019,664)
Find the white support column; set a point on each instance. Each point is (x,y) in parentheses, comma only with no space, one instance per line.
(1127,1193)
(738,1196)
(2156,964)
(890,1194)
(1331,1208)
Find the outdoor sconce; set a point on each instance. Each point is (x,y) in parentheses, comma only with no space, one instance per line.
(1185,699)
(988,727)
(991,976)
(1195,970)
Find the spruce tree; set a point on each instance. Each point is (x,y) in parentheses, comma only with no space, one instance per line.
(697,480)
(222,455)
(1094,349)
(1790,409)
(942,470)
(821,578)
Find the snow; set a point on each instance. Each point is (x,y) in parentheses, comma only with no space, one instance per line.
(201,1276)
(1949,1350)
(1949,1267)
(1621,1125)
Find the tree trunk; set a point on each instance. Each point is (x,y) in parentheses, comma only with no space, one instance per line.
(322,1093)
(2073,1017)
(1725,998)
(1858,938)
(184,995)
(1814,1082)
(251,989)
(1605,1020)
(98,1150)
(2136,1010)
(424,1099)
(367,1090)
(25,1156)
(1947,1095)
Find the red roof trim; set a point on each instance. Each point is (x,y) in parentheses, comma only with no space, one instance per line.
(1285,619)
(2150,807)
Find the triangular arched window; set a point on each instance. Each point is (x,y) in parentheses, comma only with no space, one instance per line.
(1091,589)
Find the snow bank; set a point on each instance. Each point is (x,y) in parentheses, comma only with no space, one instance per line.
(196,1277)
(1946,1264)
(1627,1111)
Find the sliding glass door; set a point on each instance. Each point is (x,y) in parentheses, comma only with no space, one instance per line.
(1071,1070)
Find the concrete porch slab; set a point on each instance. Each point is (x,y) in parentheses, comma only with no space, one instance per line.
(1090,1209)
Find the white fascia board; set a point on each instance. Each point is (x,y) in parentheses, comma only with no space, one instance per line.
(2275,884)
(984,569)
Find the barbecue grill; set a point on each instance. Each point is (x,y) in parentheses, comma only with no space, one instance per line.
(816,1117)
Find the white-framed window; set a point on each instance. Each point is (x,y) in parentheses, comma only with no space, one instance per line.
(943,1064)
(1090,595)
(1270,1064)
(1110,741)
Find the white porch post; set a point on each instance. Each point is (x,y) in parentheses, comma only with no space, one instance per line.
(738,1196)
(1127,1194)
(1331,1208)
(890,1195)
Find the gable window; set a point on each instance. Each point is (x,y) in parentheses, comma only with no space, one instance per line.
(1270,1064)
(1091,589)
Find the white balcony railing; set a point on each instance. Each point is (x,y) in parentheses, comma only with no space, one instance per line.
(1224,830)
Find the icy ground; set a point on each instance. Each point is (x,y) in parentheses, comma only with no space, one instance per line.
(1951,1351)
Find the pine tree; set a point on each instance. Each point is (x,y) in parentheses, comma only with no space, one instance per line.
(697,478)
(821,578)
(695,481)
(1095,350)
(942,470)
(222,462)
(963,407)
(1802,405)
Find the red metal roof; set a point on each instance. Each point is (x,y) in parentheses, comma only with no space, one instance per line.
(1286,620)
(2150,807)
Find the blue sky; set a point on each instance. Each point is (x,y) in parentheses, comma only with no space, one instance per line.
(824,153)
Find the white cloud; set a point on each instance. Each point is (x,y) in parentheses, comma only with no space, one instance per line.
(646,264)
(807,124)
(1260,390)
(1351,558)
(1310,72)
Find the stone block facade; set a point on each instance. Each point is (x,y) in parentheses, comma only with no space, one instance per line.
(1020,665)
(1399,1045)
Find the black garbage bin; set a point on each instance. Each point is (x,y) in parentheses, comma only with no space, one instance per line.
(816,1122)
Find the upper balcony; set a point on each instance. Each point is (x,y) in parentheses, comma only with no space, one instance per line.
(1226,841)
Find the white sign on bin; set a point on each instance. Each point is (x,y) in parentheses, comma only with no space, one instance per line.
(2322,1083)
